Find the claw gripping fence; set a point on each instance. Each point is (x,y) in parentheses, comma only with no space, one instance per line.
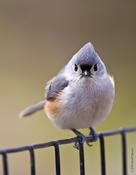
(56,144)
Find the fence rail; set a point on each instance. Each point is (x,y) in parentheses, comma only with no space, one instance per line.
(101,136)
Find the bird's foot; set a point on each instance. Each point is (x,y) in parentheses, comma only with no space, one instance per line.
(81,138)
(94,135)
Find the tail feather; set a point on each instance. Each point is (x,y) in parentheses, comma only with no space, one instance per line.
(32,109)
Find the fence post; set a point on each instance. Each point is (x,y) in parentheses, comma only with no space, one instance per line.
(5,164)
(124,152)
(102,155)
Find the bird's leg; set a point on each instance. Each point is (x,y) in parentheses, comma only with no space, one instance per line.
(80,135)
(94,135)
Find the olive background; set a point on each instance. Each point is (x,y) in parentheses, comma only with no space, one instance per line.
(37,38)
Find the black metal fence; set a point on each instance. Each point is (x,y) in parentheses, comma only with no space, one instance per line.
(56,144)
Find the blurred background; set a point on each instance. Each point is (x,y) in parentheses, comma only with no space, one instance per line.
(36,39)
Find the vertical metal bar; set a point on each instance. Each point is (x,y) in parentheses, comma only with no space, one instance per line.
(5,164)
(102,155)
(32,160)
(81,157)
(124,152)
(57,158)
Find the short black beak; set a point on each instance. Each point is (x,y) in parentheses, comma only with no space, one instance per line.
(86,73)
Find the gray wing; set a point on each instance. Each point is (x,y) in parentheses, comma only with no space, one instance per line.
(55,86)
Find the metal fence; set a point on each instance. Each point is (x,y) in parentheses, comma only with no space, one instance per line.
(56,144)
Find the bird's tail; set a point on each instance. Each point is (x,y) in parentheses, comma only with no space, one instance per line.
(32,109)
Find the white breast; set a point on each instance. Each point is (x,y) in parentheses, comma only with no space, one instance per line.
(86,103)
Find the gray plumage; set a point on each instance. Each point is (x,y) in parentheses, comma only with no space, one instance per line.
(85,91)
(33,108)
(56,85)
(86,55)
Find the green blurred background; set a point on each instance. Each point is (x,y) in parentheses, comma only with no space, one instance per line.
(36,39)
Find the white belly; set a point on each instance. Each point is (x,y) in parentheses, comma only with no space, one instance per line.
(84,105)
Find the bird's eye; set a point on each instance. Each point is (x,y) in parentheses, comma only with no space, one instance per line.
(76,67)
(95,67)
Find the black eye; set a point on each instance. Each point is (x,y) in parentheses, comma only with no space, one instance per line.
(76,67)
(95,67)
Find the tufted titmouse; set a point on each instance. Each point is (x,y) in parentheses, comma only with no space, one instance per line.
(80,95)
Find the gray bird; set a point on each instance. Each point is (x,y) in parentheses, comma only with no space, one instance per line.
(81,95)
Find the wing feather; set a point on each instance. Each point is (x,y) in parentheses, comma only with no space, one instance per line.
(55,86)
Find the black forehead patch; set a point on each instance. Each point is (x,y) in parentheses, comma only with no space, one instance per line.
(85,67)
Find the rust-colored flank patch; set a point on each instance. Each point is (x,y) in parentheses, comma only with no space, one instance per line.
(53,107)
